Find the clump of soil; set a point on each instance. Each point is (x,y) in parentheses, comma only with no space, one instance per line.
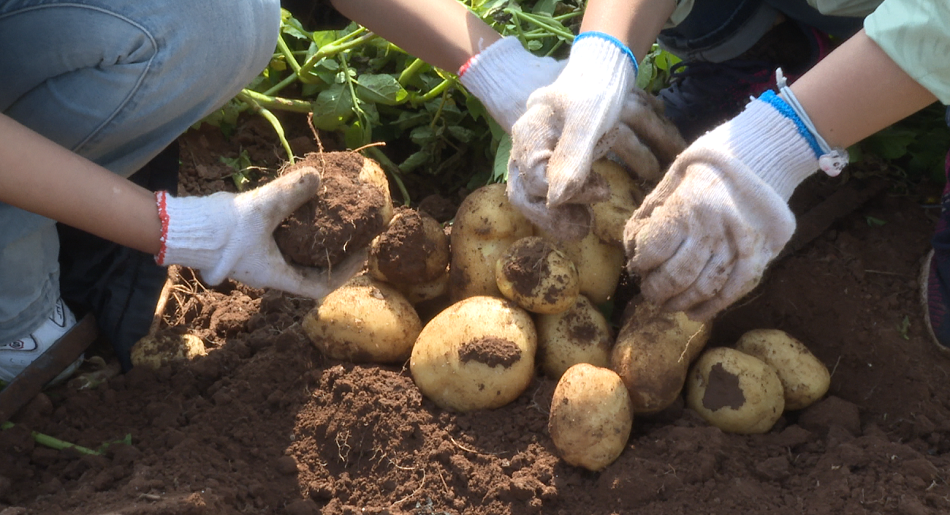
(346,214)
(412,250)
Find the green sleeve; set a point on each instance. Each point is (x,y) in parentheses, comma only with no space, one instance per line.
(916,35)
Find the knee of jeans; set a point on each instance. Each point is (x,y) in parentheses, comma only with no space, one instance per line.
(233,42)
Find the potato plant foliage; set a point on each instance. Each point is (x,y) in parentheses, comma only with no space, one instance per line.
(368,90)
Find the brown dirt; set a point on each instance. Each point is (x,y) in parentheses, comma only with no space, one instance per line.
(346,213)
(265,424)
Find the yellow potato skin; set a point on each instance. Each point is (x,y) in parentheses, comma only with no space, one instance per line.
(486,224)
(804,377)
(364,321)
(478,353)
(599,264)
(611,215)
(652,354)
(579,335)
(156,350)
(591,416)
(552,276)
(735,392)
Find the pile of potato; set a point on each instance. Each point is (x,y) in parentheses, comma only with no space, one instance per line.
(479,311)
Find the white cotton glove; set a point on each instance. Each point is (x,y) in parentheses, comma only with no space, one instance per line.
(703,237)
(561,134)
(227,235)
(503,75)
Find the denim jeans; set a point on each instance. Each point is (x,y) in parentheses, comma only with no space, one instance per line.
(116,82)
(718,30)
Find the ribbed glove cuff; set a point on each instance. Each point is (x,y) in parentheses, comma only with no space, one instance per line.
(194,232)
(769,143)
(503,76)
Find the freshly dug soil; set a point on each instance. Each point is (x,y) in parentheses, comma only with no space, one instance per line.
(264,424)
(346,214)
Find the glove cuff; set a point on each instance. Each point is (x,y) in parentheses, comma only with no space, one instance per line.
(194,232)
(604,47)
(503,76)
(769,143)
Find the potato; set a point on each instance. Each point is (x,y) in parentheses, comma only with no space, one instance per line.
(804,378)
(599,264)
(476,354)
(414,249)
(537,276)
(579,335)
(653,352)
(364,321)
(352,206)
(158,349)
(591,416)
(735,392)
(421,292)
(485,225)
(611,215)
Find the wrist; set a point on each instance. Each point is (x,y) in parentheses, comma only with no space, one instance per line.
(193,234)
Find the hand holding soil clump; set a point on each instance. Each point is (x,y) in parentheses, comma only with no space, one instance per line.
(352,206)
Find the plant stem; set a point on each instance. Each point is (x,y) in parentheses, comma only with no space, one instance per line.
(332,49)
(284,49)
(269,116)
(434,92)
(410,72)
(51,442)
(283,104)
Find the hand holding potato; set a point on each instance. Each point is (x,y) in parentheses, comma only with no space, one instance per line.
(228,235)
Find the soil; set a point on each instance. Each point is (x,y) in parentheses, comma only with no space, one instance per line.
(266,424)
(344,213)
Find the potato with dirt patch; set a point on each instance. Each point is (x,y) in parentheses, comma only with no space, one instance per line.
(486,224)
(599,264)
(591,416)
(476,354)
(735,392)
(158,349)
(364,321)
(414,249)
(537,276)
(579,335)
(653,351)
(352,206)
(805,379)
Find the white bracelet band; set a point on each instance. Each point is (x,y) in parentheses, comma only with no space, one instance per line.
(833,160)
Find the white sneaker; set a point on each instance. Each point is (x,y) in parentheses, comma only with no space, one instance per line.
(18,354)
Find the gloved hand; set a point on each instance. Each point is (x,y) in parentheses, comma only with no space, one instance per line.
(503,75)
(705,235)
(563,131)
(231,235)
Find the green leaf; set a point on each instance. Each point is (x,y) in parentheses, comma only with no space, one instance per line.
(461,133)
(324,37)
(356,136)
(414,161)
(380,88)
(332,108)
(545,7)
(291,26)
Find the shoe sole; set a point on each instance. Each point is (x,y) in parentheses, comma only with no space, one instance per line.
(923,295)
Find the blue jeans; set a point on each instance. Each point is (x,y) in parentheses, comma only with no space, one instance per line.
(719,30)
(116,82)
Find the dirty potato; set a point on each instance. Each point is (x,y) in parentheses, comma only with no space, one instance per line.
(579,335)
(591,416)
(537,276)
(476,354)
(805,379)
(735,392)
(653,351)
(486,224)
(364,321)
(162,347)
(414,249)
